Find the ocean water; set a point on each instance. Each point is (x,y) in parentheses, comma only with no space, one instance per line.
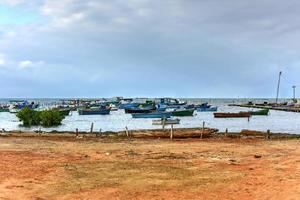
(277,121)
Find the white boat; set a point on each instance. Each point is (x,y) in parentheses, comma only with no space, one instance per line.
(165,121)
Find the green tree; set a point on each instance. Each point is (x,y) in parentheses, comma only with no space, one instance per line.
(29,117)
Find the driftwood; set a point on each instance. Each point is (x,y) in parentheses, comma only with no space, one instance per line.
(177,133)
(255,133)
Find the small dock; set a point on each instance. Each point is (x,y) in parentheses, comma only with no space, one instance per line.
(271,107)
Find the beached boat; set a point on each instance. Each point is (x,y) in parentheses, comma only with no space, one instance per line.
(260,112)
(165,121)
(232,115)
(210,109)
(94,111)
(183,112)
(152,115)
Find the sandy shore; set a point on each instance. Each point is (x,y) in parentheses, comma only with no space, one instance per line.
(114,168)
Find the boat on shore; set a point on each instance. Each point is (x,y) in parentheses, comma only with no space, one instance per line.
(94,111)
(260,112)
(165,121)
(152,115)
(183,112)
(209,109)
(232,115)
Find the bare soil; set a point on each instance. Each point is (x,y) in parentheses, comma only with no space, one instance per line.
(57,168)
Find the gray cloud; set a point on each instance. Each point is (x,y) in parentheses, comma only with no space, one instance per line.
(154,48)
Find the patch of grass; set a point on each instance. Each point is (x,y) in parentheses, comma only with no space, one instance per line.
(140,175)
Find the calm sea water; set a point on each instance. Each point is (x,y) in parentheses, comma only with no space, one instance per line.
(277,121)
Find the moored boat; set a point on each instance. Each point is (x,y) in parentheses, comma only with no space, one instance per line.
(94,111)
(260,112)
(4,109)
(232,115)
(139,110)
(209,109)
(152,115)
(183,112)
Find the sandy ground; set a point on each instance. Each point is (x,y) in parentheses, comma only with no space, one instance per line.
(45,168)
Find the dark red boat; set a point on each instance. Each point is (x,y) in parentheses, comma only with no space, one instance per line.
(233,115)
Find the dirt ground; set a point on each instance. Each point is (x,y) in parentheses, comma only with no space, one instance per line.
(49,168)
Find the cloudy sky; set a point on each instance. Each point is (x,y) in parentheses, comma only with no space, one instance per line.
(154,48)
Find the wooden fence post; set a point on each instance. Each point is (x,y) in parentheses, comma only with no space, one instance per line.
(92,127)
(76,132)
(171,136)
(203,126)
(127,132)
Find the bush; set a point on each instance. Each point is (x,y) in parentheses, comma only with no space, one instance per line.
(51,118)
(29,117)
(45,118)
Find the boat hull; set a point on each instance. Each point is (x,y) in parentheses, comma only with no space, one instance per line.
(233,115)
(152,115)
(183,113)
(210,109)
(94,112)
(166,122)
(260,112)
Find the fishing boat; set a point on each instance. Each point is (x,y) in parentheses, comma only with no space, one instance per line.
(203,105)
(232,115)
(172,103)
(165,121)
(183,112)
(94,111)
(139,110)
(152,115)
(210,109)
(64,111)
(4,109)
(260,112)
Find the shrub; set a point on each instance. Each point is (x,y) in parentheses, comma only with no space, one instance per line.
(51,118)
(29,117)
(45,118)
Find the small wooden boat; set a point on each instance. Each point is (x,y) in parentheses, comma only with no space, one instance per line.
(233,115)
(260,112)
(183,112)
(165,121)
(152,115)
(94,111)
(210,109)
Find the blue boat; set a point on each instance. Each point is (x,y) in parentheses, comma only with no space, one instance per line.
(204,105)
(161,107)
(210,109)
(152,115)
(94,111)
(128,105)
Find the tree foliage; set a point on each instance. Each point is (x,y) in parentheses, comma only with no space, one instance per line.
(46,118)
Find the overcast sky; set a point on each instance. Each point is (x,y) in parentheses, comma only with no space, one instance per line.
(148,48)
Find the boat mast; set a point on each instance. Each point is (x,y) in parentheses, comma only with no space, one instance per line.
(278,86)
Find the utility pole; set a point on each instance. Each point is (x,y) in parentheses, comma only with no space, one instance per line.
(294,91)
(278,86)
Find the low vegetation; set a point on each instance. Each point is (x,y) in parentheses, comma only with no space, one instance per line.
(45,118)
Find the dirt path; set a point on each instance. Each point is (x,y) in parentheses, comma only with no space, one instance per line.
(36,168)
